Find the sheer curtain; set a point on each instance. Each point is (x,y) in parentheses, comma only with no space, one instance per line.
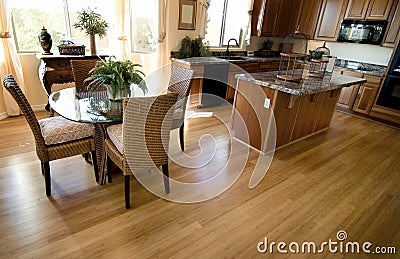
(120,29)
(203,19)
(9,60)
(248,29)
(162,50)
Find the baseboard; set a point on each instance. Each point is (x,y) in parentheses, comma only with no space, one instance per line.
(3,115)
(39,107)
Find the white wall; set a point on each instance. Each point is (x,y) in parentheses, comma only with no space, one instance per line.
(358,52)
(351,51)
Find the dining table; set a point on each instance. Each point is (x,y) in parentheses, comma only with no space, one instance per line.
(89,107)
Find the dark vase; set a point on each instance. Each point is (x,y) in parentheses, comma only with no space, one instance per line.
(45,41)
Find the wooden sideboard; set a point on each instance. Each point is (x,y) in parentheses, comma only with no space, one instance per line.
(56,69)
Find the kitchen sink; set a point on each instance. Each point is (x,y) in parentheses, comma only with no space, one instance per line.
(232,57)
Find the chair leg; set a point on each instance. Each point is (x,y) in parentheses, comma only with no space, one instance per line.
(166,177)
(42,166)
(127,191)
(87,158)
(110,166)
(46,167)
(181,138)
(95,166)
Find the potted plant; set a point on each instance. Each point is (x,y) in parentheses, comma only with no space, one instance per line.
(117,76)
(193,48)
(92,23)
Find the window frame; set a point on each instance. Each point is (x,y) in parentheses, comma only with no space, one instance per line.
(131,22)
(67,30)
(222,30)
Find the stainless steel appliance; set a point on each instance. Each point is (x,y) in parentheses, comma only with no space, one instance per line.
(390,93)
(362,31)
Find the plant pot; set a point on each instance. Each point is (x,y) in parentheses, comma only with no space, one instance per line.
(117,94)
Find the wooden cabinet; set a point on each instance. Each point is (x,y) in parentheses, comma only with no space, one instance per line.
(286,20)
(348,94)
(367,94)
(330,17)
(249,67)
(271,9)
(278,18)
(357,9)
(360,97)
(379,9)
(368,9)
(307,16)
(392,33)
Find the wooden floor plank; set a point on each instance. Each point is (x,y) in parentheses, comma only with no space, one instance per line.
(346,178)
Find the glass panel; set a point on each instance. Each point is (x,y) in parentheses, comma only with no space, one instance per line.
(144,25)
(30,16)
(105,8)
(214,24)
(236,20)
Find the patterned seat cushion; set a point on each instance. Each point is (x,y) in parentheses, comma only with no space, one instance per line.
(56,130)
(115,134)
(178,114)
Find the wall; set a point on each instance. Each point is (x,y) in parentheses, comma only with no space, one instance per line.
(38,97)
(357,52)
(157,79)
(351,51)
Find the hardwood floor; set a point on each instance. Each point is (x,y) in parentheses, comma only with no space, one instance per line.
(346,178)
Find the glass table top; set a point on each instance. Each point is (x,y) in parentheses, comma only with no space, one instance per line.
(93,107)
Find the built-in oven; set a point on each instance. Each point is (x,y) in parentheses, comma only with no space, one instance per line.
(390,93)
(362,31)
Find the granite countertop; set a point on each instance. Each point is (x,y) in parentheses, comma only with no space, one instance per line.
(307,86)
(215,60)
(361,67)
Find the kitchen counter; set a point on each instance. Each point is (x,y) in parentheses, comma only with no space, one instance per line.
(360,67)
(309,85)
(215,60)
(272,113)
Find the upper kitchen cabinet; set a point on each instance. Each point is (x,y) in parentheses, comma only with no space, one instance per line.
(368,9)
(271,9)
(307,16)
(393,34)
(330,17)
(357,9)
(281,17)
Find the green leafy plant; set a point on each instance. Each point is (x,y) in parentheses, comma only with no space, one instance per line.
(117,76)
(92,24)
(193,48)
(267,44)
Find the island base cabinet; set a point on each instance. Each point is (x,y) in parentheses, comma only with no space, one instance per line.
(294,117)
(250,119)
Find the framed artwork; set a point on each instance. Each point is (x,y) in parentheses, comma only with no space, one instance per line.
(187,15)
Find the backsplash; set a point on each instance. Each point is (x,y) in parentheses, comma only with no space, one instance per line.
(361,67)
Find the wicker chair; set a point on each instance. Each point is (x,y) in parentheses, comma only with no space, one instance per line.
(146,126)
(180,82)
(81,70)
(55,137)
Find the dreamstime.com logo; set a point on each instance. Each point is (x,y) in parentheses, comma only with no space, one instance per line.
(340,246)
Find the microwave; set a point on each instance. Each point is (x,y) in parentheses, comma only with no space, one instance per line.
(362,31)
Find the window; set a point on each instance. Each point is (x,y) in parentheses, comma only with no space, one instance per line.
(232,23)
(58,17)
(144,25)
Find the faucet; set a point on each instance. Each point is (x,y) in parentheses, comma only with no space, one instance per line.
(227,48)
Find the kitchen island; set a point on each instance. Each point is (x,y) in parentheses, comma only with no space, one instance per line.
(270,112)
